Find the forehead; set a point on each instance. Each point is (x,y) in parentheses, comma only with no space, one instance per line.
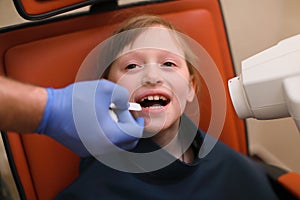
(155,37)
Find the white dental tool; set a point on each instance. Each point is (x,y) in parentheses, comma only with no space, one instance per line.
(132,106)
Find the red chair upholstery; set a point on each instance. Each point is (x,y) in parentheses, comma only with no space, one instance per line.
(49,54)
(291,181)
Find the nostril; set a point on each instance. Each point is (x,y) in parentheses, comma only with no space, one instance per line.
(152,82)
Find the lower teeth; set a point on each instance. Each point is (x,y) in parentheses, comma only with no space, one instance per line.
(155,107)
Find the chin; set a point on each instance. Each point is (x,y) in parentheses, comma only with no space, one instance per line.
(154,126)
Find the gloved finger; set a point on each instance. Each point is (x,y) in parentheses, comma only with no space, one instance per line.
(108,92)
(140,121)
(103,94)
(124,116)
(129,125)
(120,97)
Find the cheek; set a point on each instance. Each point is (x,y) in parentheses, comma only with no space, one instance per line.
(179,83)
(181,90)
(131,83)
(181,95)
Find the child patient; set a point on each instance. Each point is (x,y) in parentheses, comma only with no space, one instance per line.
(154,63)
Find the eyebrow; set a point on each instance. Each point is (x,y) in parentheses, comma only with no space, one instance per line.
(138,53)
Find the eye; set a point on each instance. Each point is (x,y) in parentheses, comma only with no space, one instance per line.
(131,66)
(169,64)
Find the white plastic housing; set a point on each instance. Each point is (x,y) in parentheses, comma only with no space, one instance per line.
(291,88)
(259,91)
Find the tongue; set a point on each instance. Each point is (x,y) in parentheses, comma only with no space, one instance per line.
(151,103)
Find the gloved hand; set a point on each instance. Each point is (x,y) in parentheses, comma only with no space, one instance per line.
(78,117)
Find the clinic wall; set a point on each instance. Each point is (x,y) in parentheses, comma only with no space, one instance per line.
(8,14)
(255,25)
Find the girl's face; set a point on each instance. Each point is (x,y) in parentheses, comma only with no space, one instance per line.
(156,78)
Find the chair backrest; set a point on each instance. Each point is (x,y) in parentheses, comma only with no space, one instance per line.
(49,54)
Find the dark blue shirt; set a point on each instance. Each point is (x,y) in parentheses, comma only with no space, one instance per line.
(221,174)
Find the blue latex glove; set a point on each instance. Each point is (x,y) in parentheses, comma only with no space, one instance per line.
(78,117)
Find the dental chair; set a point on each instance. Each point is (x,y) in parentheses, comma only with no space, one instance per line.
(49,53)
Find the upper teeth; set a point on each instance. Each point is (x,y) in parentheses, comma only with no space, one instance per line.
(155,97)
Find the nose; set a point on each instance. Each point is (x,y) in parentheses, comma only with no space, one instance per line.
(152,75)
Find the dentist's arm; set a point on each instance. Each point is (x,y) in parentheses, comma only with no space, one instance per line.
(53,112)
(21,105)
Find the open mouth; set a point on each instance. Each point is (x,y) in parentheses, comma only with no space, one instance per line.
(154,101)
